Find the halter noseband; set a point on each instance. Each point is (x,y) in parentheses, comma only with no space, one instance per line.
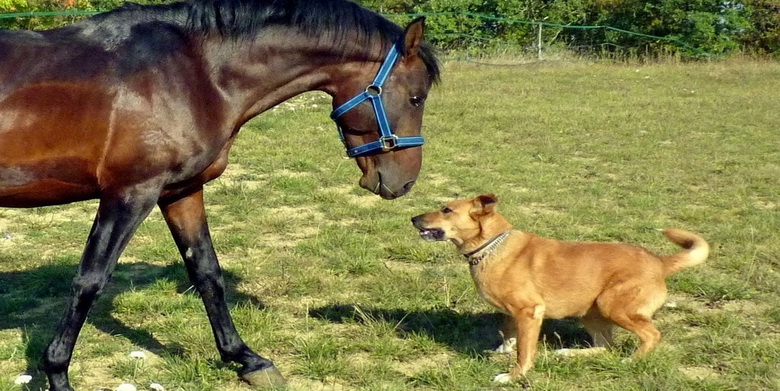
(373,93)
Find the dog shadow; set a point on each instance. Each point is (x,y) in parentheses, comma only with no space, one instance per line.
(473,334)
(33,301)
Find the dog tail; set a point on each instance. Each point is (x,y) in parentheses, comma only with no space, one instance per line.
(696,250)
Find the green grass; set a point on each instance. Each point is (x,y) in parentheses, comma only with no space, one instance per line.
(335,286)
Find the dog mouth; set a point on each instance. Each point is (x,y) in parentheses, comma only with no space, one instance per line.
(432,234)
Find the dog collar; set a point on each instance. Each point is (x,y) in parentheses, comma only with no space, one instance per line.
(486,249)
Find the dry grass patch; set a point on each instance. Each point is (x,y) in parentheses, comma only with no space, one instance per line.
(574,150)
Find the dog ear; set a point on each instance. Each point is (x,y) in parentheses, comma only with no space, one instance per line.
(484,204)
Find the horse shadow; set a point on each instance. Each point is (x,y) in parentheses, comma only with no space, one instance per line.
(33,301)
(472,334)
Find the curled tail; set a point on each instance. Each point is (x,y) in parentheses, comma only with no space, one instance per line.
(696,250)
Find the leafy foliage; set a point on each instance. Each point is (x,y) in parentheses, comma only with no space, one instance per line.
(40,23)
(336,287)
(698,28)
(705,26)
(764,36)
(692,28)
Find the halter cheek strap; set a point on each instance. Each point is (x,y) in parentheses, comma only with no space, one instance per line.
(387,140)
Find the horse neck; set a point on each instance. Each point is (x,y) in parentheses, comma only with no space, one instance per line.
(258,74)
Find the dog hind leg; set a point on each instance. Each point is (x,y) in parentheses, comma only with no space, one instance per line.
(599,328)
(508,336)
(642,326)
(632,308)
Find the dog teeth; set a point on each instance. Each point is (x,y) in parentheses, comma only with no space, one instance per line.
(429,234)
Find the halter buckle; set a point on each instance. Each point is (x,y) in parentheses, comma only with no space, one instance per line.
(388,143)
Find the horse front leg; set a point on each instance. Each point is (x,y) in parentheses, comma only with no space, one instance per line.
(186,218)
(114,225)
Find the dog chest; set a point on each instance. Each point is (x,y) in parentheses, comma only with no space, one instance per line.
(485,289)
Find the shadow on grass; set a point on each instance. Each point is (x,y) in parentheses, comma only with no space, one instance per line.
(34,300)
(467,333)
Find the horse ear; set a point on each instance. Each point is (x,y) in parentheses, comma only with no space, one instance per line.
(485,203)
(413,37)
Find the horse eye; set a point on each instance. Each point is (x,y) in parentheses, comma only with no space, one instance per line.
(446,210)
(416,101)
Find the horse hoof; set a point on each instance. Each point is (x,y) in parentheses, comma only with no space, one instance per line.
(265,378)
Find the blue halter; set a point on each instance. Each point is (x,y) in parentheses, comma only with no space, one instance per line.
(387,140)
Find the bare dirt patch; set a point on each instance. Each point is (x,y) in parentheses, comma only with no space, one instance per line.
(357,200)
(699,373)
(298,212)
(235,174)
(413,367)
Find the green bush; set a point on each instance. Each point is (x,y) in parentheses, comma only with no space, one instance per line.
(764,35)
(693,28)
(47,22)
(38,23)
(700,27)
(453,26)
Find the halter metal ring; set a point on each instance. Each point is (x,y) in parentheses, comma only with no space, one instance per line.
(373,90)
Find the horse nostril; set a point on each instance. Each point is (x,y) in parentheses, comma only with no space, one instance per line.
(408,187)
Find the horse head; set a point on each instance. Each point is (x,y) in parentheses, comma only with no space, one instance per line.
(380,121)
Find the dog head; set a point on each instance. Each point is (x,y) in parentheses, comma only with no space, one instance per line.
(461,221)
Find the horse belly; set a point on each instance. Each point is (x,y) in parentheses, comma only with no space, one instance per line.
(49,181)
(51,140)
(44,193)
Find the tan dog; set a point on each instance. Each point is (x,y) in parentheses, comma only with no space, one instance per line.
(531,278)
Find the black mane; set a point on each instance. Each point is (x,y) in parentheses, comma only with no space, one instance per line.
(236,19)
(341,18)
(245,17)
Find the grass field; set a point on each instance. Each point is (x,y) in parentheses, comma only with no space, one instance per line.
(335,286)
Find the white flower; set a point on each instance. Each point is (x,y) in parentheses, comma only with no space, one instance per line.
(156,387)
(126,387)
(138,354)
(22,379)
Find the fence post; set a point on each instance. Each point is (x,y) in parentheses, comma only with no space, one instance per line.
(539,44)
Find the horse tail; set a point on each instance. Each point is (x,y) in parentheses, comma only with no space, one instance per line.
(695,250)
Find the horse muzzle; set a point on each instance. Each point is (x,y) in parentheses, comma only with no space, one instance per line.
(377,185)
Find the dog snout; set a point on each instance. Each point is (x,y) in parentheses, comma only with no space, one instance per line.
(418,221)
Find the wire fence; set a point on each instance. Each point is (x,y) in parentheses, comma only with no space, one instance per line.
(467,35)
(46,14)
(538,37)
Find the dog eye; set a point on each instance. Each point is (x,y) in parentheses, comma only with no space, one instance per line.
(446,210)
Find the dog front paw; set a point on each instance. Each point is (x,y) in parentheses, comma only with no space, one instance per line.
(509,346)
(502,378)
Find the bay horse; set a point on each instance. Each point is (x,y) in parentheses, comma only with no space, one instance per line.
(139,106)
